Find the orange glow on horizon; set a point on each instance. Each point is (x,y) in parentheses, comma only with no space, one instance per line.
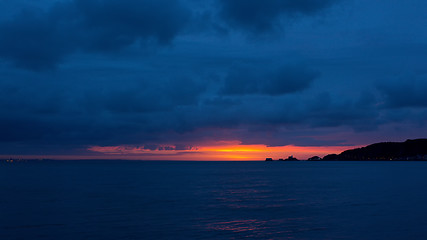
(218,151)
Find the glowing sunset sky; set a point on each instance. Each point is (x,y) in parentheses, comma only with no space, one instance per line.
(209,80)
(219,152)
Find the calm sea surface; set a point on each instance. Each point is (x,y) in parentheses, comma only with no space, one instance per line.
(213,200)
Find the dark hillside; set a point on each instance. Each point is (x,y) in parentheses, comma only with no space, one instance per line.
(408,150)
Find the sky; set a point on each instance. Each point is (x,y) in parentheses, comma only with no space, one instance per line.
(209,80)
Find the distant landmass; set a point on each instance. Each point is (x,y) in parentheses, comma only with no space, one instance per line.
(410,150)
(290,158)
(395,151)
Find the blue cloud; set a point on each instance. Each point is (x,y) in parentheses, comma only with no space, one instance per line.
(253,80)
(37,39)
(262,16)
(408,91)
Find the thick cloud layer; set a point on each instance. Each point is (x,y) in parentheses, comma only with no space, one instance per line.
(407,91)
(153,75)
(287,79)
(38,39)
(261,16)
(114,24)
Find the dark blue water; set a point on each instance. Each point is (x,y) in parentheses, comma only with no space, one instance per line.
(213,200)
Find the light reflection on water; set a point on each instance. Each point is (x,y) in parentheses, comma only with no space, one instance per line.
(239,225)
(169,200)
(254,197)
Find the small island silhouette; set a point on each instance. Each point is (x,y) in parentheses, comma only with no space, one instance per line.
(410,150)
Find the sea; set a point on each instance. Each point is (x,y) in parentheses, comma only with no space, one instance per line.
(212,200)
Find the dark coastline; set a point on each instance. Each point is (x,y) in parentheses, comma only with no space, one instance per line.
(410,150)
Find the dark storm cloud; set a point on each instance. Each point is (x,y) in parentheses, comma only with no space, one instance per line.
(38,39)
(17,129)
(113,24)
(359,113)
(148,96)
(33,40)
(263,116)
(252,80)
(271,120)
(147,112)
(163,75)
(261,16)
(44,109)
(407,91)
